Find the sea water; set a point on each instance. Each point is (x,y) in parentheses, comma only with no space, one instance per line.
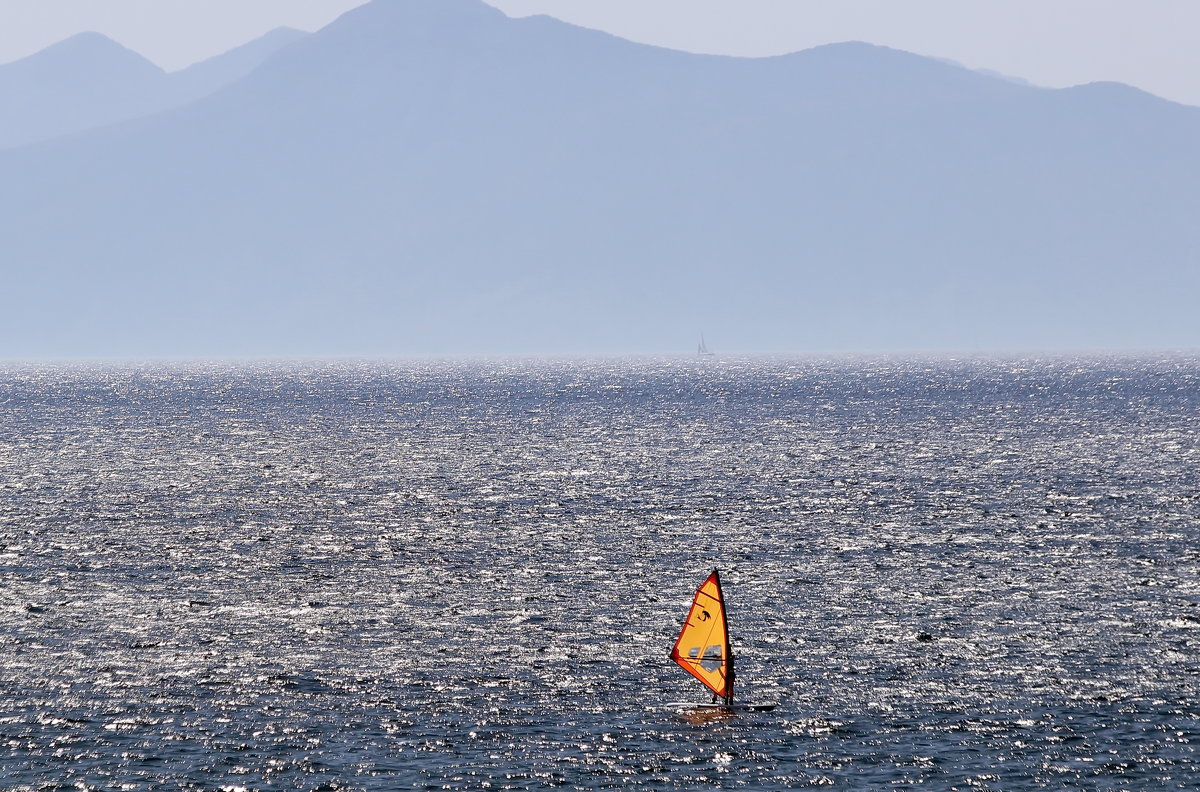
(948,574)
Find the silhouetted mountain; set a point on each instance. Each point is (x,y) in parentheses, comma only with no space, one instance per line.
(90,81)
(201,79)
(85,81)
(432,176)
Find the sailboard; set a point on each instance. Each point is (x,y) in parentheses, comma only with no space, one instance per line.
(703,648)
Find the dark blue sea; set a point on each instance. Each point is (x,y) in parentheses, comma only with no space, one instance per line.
(949,574)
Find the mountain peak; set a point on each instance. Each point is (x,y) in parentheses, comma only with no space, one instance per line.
(87,41)
(284,33)
(85,81)
(86,57)
(89,49)
(424,14)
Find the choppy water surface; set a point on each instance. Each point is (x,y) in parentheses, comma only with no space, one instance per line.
(976,574)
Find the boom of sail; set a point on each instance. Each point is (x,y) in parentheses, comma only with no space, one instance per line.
(703,645)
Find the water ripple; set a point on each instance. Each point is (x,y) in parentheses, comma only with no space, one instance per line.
(958,574)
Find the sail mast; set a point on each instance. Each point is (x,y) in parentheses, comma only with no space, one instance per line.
(728,646)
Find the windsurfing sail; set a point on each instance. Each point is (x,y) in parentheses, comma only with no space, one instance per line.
(703,645)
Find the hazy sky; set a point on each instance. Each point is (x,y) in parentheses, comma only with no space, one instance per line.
(1153,44)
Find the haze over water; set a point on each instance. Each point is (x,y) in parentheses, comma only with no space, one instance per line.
(958,574)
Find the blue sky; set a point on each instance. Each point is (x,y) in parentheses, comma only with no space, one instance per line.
(1152,44)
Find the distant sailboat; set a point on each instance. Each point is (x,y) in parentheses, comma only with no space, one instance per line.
(702,348)
(703,648)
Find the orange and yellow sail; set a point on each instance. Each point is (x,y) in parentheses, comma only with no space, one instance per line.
(703,645)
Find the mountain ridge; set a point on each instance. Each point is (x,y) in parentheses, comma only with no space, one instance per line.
(89,81)
(85,44)
(523,185)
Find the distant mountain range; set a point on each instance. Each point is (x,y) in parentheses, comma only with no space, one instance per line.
(90,81)
(431,176)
